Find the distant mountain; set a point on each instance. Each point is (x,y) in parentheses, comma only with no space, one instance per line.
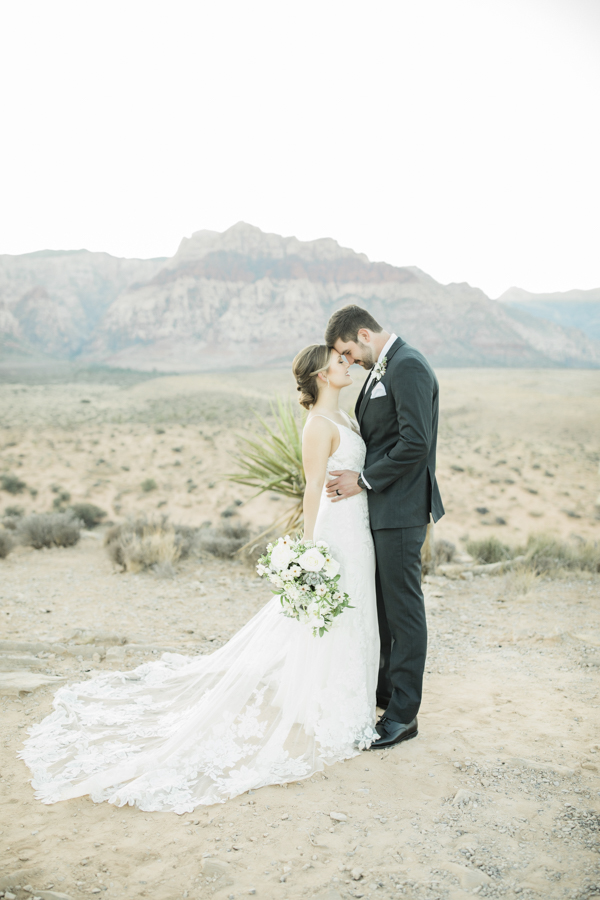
(246,298)
(571,309)
(53,300)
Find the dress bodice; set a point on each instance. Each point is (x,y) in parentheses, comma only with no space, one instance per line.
(347,520)
(351,452)
(352,449)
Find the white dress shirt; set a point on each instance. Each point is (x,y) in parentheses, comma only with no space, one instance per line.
(388,344)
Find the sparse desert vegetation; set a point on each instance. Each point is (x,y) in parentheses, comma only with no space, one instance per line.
(40,530)
(489,550)
(225,540)
(7,542)
(141,543)
(508,727)
(543,554)
(158,544)
(11,484)
(88,513)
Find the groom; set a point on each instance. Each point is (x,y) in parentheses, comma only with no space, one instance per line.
(397,411)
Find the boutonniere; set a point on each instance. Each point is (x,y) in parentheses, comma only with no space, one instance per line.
(379,370)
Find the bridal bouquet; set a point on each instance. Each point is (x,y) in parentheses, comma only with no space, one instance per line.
(305,575)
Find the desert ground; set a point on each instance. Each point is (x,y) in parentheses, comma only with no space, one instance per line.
(498,796)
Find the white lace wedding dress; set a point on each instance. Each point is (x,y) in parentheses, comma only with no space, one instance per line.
(275,704)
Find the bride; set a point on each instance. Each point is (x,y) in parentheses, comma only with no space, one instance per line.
(273,705)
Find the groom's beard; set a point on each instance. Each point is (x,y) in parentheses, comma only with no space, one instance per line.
(367,360)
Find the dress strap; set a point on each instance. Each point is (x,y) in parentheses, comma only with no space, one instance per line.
(321,416)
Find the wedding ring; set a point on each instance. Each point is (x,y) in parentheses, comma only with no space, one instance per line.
(338,493)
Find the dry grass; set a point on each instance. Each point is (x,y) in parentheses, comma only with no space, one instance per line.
(522,579)
(546,555)
(490,550)
(144,544)
(49,530)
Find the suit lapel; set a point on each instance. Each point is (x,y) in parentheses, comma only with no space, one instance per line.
(394,348)
(363,399)
(360,397)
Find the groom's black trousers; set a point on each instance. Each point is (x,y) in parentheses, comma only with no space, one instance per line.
(402,623)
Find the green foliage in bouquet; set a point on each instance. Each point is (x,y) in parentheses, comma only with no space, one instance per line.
(305,577)
(272,461)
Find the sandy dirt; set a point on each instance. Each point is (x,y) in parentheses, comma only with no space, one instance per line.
(498,796)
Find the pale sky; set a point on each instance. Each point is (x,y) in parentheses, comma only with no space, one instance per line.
(460,136)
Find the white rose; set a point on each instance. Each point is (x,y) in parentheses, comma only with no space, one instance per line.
(332,567)
(311,560)
(281,556)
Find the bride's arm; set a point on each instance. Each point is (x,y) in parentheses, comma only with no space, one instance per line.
(316,450)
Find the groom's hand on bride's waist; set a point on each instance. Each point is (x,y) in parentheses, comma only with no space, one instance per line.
(343,484)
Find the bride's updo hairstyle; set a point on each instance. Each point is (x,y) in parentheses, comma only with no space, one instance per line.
(306,366)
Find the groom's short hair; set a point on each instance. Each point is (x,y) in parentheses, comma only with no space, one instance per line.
(346,323)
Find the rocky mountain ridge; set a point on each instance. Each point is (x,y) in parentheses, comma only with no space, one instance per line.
(245,298)
(571,309)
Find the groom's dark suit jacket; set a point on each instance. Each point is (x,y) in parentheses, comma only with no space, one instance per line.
(400,430)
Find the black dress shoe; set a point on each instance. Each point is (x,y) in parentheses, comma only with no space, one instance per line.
(382,702)
(391,732)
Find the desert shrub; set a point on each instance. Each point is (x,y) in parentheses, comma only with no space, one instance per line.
(61,498)
(433,552)
(11,484)
(14,512)
(10,522)
(49,530)
(149,484)
(7,542)
(225,540)
(489,550)
(141,544)
(444,551)
(546,554)
(89,514)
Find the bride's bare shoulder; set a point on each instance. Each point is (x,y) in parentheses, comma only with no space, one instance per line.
(318,430)
(317,424)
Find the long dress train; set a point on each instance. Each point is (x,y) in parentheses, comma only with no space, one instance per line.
(273,705)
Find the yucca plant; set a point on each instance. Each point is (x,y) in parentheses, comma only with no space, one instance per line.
(272,461)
